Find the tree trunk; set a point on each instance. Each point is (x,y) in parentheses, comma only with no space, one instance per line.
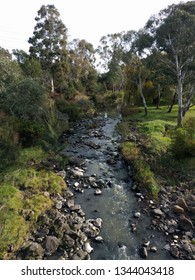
(52,85)
(158,100)
(142,96)
(173,102)
(180,102)
(187,104)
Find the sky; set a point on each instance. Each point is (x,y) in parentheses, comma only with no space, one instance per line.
(84,19)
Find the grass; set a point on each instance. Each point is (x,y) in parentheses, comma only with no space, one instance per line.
(23,199)
(153,159)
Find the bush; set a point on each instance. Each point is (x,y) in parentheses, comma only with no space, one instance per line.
(9,140)
(71,109)
(183,140)
(30,132)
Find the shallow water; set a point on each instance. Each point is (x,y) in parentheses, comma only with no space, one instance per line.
(117,203)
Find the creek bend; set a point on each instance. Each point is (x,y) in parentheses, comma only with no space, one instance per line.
(93,147)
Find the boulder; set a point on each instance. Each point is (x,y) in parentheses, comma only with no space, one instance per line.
(185,223)
(51,244)
(178,209)
(34,251)
(182,203)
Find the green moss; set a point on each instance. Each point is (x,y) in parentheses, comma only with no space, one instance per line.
(13,227)
(143,174)
(36,204)
(22,198)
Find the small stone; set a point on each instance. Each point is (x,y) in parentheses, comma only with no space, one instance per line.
(98,192)
(99,239)
(137,215)
(88,247)
(178,209)
(153,249)
(157,212)
(174,251)
(143,252)
(58,205)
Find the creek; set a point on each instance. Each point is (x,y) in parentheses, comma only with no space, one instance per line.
(94,143)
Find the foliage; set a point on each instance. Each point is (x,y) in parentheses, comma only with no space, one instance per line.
(9,140)
(48,44)
(143,174)
(183,140)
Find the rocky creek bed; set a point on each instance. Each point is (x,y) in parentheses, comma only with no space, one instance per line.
(103,214)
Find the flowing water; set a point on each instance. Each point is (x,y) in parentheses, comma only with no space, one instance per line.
(117,203)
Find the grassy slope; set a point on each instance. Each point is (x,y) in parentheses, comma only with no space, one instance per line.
(151,159)
(22,198)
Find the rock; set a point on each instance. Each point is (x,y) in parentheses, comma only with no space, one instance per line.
(88,247)
(68,242)
(70,203)
(134,187)
(98,222)
(153,249)
(143,252)
(146,243)
(51,244)
(192,210)
(75,207)
(58,205)
(185,223)
(80,255)
(133,227)
(77,172)
(98,192)
(178,209)
(99,239)
(76,184)
(157,212)
(167,247)
(62,174)
(68,194)
(137,215)
(174,251)
(34,251)
(42,233)
(182,203)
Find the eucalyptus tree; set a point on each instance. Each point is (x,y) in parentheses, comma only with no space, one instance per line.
(48,43)
(30,66)
(173,32)
(82,73)
(136,78)
(114,50)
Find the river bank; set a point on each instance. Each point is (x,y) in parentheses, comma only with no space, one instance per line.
(104,214)
(170,198)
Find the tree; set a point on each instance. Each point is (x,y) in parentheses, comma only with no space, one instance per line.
(30,66)
(48,44)
(136,75)
(83,74)
(173,31)
(114,51)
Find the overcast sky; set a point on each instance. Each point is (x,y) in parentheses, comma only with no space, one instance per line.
(85,19)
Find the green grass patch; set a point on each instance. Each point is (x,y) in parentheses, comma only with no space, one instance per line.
(157,147)
(143,174)
(22,198)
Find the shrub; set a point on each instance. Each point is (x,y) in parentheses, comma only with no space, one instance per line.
(183,140)
(30,132)
(9,140)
